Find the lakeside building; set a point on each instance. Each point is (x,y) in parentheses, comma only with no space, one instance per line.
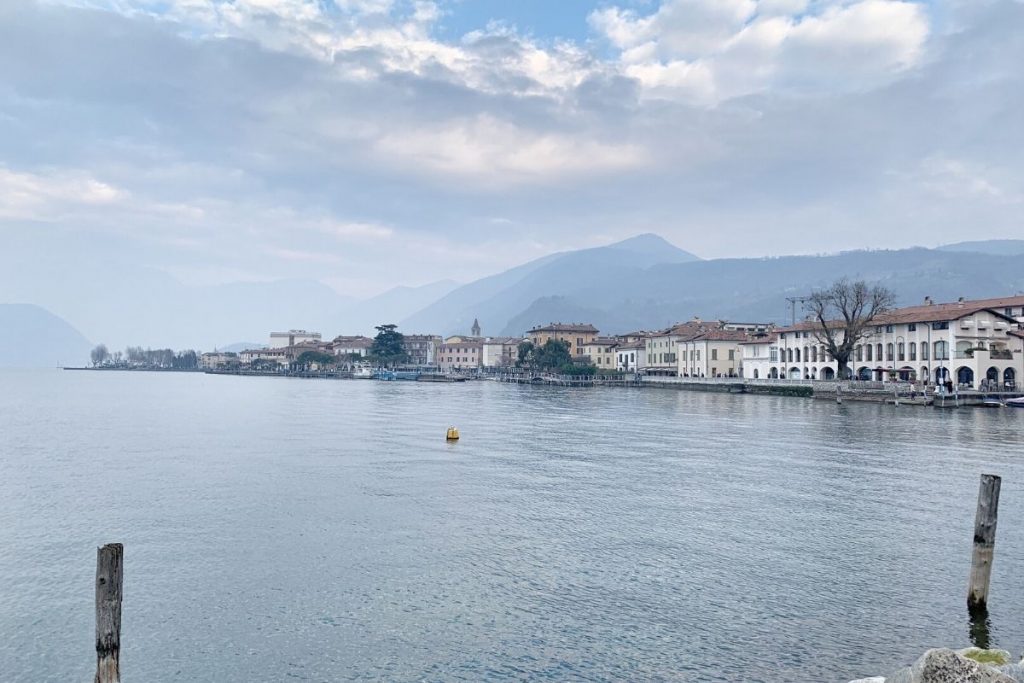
(971,343)
(631,356)
(712,353)
(422,348)
(576,335)
(357,345)
(500,352)
(601,353)
(455,353)
(250,356)
(279,340)
(703,339)
(217,359)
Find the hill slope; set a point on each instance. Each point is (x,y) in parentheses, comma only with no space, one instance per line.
(32,337)
(756,289)
(495,300)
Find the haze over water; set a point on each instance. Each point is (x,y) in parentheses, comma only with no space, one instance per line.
(323,530)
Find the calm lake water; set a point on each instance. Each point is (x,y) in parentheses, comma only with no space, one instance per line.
(305,530)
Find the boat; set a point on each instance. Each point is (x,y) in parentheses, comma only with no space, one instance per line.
(1015,402)
(362,373)
(990,402)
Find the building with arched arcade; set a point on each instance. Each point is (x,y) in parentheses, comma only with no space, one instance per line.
(974,344)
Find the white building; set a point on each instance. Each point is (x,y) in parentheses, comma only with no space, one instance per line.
(631,356)
(711,353)
(351,346)
(500,352)
(970,343)
(279,340)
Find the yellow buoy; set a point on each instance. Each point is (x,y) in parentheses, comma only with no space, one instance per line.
(453,434)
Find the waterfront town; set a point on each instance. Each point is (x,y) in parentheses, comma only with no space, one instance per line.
(961,345)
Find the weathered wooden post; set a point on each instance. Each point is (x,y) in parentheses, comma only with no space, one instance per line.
(109,579)
(984,542)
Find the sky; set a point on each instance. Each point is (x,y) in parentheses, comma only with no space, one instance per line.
(373,143)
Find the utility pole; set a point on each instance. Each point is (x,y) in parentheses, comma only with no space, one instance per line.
(793,301)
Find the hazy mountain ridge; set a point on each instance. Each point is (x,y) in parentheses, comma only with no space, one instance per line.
(755,289)
(32,337)
(495,300)
(993,247)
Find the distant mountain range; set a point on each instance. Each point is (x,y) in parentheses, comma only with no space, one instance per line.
(643,282)
(32,337)
(570,276)
(993,247)
(646,282)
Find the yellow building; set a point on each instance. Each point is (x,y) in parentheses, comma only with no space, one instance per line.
(576,335)
(601,352)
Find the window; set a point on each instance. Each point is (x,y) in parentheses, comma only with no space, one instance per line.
(888,351)
(714,354)
(878,352)
(941,350)
(869,352)
(913,351)
(888,328)
(943,325)
(900,351)
(924,350)
(860,352)
(732,354)
(912,327)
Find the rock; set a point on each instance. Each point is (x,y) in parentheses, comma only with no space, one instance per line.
(1014,671)
(946,666)
(990,657)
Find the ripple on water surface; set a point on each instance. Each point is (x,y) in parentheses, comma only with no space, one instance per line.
(323,531)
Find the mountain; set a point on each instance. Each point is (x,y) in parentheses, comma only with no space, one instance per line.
(32,337)
(238,347)
(495,300)
(646,283)
(391,306)
(993,247)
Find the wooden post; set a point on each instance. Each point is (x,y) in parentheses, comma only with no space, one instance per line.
(984,542)
(109,579)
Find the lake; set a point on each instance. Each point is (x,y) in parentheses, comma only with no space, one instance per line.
(313,530)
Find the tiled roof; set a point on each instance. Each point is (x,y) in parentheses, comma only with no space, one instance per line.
(930,312)
(566,327)
(761,339)
(718,335)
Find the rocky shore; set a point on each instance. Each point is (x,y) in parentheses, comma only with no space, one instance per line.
(972,665)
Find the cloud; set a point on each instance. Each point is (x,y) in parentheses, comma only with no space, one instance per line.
(494,151)
(707,51)
(235,136)
(52,194)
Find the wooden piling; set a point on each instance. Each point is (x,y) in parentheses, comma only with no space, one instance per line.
(109,580)
(984,542)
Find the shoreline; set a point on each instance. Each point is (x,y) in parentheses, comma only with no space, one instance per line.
(861,392)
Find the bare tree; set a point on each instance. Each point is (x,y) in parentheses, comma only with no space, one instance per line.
(843,313)
(99,354)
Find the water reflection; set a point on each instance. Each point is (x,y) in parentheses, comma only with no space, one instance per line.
(980,627)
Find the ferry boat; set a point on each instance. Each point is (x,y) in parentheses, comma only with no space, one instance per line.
(362,373)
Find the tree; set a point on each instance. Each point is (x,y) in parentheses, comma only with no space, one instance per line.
(99,354)
(307,358)
(842,313)
(553,355)
(389,346)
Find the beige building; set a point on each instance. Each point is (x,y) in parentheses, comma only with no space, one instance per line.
(601,353)
(351,346)
(279,340)
(711,353)
(457,355)
(577,335)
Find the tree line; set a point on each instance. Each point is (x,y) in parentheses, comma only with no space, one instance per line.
(136,356)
